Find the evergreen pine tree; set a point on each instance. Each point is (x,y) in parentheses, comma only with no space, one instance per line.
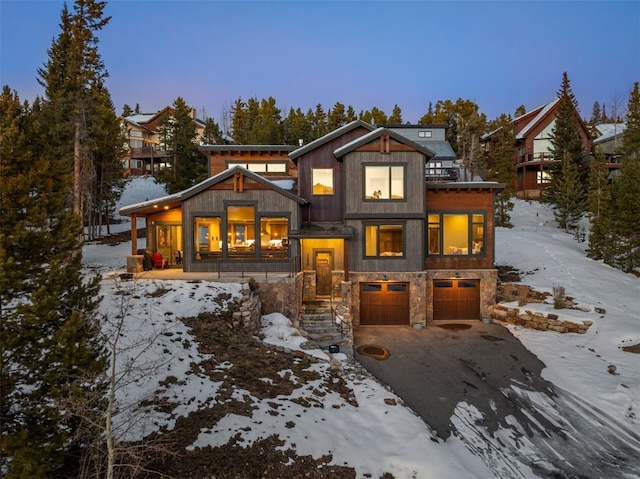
(599,210)
(567,195)
(187,165)
(212,134)
(48,331)
(396,116)
(336,117)
(566,146)
(297,127)
(503,169)
(626,192)
(73,67)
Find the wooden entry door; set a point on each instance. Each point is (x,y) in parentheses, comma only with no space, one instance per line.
(456,299)
(384,304)
(323,262)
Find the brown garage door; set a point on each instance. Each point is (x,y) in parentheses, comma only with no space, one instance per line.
(456,299)
(384,303)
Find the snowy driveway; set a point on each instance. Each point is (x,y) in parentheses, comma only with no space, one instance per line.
(483,385)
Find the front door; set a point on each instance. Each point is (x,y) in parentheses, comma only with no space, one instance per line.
(323,273)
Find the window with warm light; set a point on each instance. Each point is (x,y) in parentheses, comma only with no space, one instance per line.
(383,240)
(543,177)
(456,234)
(322,181)
(384,182)
(208,237)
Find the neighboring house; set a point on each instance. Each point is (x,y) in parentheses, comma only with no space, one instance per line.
(532,150)
(361,225)
(442,166)
(146,151)
(608,140)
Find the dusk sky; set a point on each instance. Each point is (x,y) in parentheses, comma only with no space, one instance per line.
(499,54)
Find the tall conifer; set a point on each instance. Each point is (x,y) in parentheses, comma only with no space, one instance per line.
(50,354)
(626,192)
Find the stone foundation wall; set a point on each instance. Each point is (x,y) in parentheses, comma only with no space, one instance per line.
(281,295)
(247,318)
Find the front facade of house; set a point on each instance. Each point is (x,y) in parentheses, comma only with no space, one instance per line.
(361,225)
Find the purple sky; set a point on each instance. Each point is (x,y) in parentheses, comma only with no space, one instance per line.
(498,54)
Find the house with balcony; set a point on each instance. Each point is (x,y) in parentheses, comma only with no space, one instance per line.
(608,141)
(362,225)
(442,166)
(532,149)
(145,148)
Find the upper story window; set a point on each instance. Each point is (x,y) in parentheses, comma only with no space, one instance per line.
(322,181)
(383,240)
(384,182)
(135,133)
(435,168)
(456,234)
(424,134)
(270,167)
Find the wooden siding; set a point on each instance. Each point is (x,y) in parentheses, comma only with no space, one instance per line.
(325,208)
(413,204)
(218,160)
(212,203)
(414,233)
(464,201)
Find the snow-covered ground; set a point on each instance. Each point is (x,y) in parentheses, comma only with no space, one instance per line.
(390,438)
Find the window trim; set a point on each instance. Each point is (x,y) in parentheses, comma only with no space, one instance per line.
(470,229)
(378,224)
(389,166)
(333,182)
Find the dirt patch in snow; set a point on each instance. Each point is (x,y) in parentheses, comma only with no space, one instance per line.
(241,362)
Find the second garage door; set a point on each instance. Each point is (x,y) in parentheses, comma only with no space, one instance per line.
(456,299)
(384,303)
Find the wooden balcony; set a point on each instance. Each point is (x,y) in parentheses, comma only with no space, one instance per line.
(147,152)
(531,159)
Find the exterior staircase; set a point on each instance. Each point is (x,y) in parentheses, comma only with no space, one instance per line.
(316,319)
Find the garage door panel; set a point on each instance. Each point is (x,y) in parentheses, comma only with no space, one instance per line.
(456,299)
(384,304)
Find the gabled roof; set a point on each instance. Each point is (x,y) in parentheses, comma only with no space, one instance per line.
(541,114)
(330,136)
(174,200)
(609,131)
(369,137)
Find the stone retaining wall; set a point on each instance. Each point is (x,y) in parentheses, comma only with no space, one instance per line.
(538,320)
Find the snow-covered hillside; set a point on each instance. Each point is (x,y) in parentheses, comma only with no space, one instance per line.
(390,438)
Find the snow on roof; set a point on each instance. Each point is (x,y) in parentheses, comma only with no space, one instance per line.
(608,131)
(536,119)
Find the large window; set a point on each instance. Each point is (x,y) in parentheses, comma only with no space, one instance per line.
(384,182)
(383,240)
(456,234)
(322,180)
(236,236)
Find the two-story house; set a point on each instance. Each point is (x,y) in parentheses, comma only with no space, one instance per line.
(532,150)
(362,224)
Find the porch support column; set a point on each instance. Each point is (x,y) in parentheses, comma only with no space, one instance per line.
(134,234)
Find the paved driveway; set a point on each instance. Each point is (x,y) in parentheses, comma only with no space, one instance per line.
(523,418)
